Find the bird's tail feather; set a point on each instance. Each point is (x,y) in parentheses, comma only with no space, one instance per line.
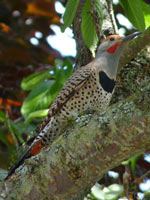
(19,163)
(34,149)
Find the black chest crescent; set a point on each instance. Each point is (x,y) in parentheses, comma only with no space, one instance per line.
(106,83)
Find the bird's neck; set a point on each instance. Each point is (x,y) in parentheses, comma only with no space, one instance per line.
(109,63)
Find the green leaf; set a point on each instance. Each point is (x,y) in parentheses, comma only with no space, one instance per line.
(112,192)
(99,10)
(3,137)
(63,71)
(36,114)
(67,68)
(44,93)
(131,160)
(133,163)
(58,63)
(146,12)
(39,98)
(32,80)
(87,26)
(134,13)
(2,116)
(70,12)
(16,130)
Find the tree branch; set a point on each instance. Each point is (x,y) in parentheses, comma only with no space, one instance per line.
(90,147)
(84,56)
(134,47)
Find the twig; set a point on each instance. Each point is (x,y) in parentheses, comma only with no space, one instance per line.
(11,131)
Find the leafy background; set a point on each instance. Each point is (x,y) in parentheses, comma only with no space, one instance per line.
(31,76)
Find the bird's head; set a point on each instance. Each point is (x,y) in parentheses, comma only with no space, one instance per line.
(109,52)
(114,43)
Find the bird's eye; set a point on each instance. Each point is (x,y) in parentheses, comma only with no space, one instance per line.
(112,39)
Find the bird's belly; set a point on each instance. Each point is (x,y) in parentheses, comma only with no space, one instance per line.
(91,101)
(102,101)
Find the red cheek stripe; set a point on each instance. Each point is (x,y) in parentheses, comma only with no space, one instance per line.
(113,48)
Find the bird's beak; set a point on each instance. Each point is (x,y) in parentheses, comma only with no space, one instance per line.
(130,37)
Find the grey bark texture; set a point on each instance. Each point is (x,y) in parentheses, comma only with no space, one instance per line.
(92,144)
(84,56)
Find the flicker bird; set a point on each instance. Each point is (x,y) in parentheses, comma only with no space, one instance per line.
(89,88)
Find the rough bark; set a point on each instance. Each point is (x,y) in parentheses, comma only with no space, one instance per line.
(134,47)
